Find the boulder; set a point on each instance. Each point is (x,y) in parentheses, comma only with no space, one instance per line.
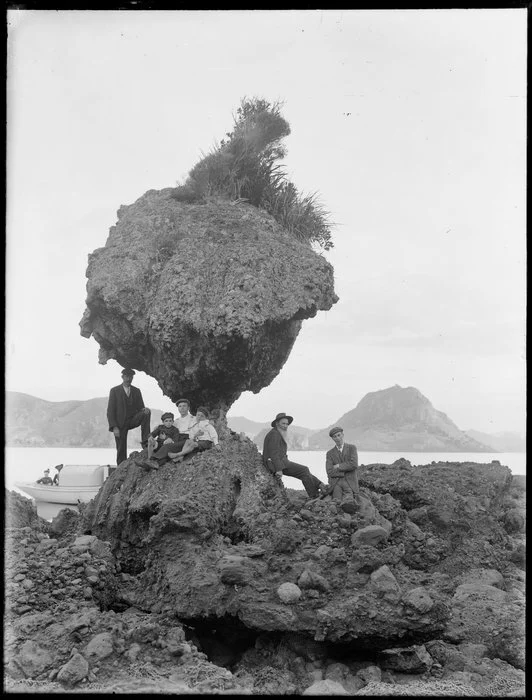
(74,671)
(488,577)
(337,672)
(370,674)
(514,521)
(326,687)
(419,599)
(289,593)
(234,570)
(310,579)
(65,523)
(84,542)
(32,659)
(100,646)
(385,583)
(484,614)
(220,280)
(370,535)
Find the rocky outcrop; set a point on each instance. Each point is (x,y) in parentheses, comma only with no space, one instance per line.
(399,419)
(208,577)
(207,298)
(215,538)
(21,512)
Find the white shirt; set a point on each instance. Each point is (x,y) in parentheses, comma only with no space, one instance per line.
(127,389)
(184,423)
(209,433)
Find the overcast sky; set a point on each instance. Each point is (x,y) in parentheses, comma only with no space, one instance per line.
(410,124)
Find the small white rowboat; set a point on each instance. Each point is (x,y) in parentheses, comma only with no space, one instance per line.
(78,483)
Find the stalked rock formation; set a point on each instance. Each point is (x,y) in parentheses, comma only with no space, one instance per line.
(215,538)
(207,298)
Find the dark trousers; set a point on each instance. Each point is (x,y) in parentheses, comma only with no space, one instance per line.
(162,453)
(141,418)
(299,471)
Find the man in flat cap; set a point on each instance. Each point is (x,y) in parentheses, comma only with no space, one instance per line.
(274,458)
(125,411)
(342,465)
(164,433)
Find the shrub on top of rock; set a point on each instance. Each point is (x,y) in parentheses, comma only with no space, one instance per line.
(245,166)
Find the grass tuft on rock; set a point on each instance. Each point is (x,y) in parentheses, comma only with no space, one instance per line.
(245,166)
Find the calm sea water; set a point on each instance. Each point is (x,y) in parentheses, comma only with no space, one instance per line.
(28,463)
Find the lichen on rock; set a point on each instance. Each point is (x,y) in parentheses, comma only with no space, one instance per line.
(207,298)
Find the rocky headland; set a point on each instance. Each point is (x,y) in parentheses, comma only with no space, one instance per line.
(400,419)
(210,578)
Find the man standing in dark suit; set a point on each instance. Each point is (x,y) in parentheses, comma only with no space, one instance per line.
(274,458)
(342,465)
(126,411)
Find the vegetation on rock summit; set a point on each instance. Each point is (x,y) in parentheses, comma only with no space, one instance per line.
(245,166)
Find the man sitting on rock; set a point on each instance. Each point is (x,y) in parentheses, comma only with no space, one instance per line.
(275,459)
(342,464)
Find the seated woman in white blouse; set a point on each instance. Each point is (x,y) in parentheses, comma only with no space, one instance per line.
(201,436)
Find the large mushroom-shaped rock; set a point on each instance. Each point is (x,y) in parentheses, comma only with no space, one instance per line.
(207,298)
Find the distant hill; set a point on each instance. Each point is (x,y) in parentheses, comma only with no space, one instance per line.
(399,420)
(243,425)
(500,442)
(33,422)
(395,419)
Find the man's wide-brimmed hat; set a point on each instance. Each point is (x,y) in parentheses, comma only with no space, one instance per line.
(128,372)
(335,430)
(278,418)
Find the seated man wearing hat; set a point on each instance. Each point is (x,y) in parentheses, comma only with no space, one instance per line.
(274,458)
(46,478)
(342,465)
(125,411)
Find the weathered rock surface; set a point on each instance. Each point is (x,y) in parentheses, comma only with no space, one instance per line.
(21,512)
(185,531)
(437,607)
(207,298)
